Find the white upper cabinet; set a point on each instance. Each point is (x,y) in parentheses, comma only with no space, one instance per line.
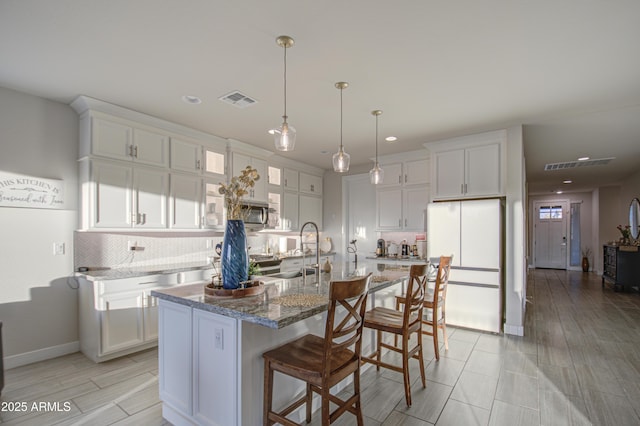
(185,202)
(402,197)
(469,167)
(186,156)
(119,139)
(310,184)
(402,209)
(215,161)
(290,214)
(240,162)
(407,172)
(389,214)
(310,209)
(392,174)
(290,179)
(125,197)
(417,172)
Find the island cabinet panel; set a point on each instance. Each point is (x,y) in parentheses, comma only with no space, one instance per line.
(175,356)
(199,366)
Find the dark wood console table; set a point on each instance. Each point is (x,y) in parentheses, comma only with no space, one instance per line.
(621,267)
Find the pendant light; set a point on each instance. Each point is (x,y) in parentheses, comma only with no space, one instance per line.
(285,135)
(376,174)
(341,159)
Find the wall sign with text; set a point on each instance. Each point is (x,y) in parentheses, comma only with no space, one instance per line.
(30,192)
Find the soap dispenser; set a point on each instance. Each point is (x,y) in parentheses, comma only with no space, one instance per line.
(327,266)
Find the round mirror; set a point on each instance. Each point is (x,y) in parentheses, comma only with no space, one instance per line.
(634,218)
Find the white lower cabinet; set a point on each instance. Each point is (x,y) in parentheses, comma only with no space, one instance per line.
(121,321)
(118,317)
(198,366)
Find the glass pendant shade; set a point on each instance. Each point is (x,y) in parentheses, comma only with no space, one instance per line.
(341,161)
(376,175)
(285,137)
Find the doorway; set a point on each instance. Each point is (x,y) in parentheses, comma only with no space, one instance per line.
(550,234)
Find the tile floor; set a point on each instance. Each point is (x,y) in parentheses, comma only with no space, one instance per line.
(578,364)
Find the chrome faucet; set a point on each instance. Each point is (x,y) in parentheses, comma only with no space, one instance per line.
(316,267)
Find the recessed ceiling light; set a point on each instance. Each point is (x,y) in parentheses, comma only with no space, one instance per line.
(194,100)
(583,158)
(324,151)
(567,181)
(391,139)
(558,192)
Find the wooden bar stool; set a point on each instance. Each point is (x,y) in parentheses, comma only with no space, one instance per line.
(435,303)
(323,362)
(401,323)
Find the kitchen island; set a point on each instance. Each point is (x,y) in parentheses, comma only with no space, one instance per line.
(210,349)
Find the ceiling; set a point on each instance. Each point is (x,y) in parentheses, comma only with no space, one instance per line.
(567,71)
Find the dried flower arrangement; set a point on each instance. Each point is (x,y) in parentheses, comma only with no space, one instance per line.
(236,189)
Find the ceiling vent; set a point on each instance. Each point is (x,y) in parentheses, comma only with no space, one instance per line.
(238,99)
(576,163)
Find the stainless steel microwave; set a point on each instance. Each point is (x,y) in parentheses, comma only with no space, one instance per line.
(256,214)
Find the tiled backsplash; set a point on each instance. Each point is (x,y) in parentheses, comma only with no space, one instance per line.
(105,249)
(98,249)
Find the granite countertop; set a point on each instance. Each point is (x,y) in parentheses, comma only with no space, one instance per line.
(264,309)
(99,273)
(397,259)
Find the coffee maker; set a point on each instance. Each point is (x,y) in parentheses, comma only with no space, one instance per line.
(381,248)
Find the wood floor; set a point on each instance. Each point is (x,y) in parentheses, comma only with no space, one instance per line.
(578,364)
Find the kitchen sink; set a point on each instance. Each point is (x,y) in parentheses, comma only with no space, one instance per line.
(292,274)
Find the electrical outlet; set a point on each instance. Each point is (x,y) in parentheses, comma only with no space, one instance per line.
(58,249)
(218,339)
(131,245)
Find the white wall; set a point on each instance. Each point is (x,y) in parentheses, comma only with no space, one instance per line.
(38,304)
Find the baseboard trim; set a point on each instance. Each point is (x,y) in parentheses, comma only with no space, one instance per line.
(26,358)
(515,330)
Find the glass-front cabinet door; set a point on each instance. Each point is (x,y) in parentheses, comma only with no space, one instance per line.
(214,213)
(214,162)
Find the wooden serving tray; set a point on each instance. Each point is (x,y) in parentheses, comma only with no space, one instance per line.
(252,289)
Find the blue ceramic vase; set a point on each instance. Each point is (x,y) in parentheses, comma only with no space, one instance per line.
(234,260)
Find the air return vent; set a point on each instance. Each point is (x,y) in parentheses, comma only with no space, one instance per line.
(576,163)
(238,99)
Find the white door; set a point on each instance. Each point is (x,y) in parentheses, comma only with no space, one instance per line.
(359,196)
(550,234)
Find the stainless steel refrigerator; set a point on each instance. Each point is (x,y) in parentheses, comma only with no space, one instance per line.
(473,232)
